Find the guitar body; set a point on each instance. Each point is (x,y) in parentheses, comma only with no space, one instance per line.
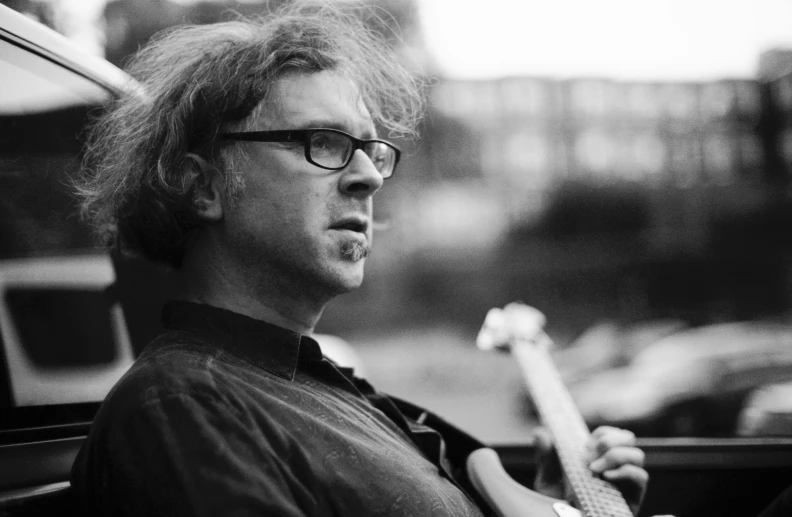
(505,496)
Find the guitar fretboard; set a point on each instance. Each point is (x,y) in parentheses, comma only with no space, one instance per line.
(594,496)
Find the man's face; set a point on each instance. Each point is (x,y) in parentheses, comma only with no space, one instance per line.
(298,227)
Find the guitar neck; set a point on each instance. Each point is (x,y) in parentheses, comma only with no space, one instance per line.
(594,496)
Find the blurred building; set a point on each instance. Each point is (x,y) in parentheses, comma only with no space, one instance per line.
(776,67)
(523,138)
(535,133)
(630,199)
(774,63)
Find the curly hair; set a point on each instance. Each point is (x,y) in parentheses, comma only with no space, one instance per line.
(199,81)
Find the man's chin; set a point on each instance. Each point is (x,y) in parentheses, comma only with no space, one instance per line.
(349,267)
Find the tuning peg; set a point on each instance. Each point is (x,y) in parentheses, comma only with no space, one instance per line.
(524,320)
(492,334)
(516,321)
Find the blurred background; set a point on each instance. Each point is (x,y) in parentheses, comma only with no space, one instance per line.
(621,166)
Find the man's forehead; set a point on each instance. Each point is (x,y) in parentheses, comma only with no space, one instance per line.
(323,99)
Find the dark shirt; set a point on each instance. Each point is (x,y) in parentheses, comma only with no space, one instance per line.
(227,415)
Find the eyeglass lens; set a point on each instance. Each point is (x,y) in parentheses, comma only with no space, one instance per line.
(331,149)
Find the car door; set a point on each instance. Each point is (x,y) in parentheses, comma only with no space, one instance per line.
(63,336)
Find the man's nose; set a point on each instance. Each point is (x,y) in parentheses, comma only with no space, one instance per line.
(360,178)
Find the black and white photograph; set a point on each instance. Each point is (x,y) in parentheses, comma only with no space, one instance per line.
(396,258)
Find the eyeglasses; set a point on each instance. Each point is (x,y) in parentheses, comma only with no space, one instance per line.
(329,148)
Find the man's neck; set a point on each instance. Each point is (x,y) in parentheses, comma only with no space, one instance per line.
(254,309)
(214,283)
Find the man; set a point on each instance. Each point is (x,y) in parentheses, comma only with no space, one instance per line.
(248,162)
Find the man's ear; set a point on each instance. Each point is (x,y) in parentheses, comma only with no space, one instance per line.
(205,182)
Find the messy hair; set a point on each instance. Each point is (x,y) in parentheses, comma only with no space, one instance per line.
(196,82)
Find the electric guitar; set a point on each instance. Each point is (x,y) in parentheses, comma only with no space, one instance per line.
(519,328)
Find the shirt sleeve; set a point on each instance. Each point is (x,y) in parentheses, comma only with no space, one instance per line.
(187,454)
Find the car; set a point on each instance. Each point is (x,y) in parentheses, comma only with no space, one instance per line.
(64,337)
(767,411)
(689,382)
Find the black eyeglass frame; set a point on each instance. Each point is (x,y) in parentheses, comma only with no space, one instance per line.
(304,136)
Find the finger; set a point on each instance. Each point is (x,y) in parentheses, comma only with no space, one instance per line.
(616,457)
(632,474)
(631,481)
(605,438)
(605,429)
(608,434)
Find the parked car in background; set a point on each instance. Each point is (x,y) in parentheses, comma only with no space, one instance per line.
(767,411)
(690,382)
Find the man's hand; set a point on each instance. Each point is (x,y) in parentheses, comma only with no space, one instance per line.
(611,453)
(615,457)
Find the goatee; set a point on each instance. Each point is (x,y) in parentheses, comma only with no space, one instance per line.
(355,251)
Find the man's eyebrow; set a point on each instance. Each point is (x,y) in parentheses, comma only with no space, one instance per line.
(367,134)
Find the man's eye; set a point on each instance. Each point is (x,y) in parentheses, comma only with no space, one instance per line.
(320,143)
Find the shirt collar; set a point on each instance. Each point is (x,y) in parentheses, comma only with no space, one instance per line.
(275,349)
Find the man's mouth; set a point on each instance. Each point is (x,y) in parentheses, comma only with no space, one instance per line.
(352,224)
(356,246)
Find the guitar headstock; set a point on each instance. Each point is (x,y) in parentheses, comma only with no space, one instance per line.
(515,323)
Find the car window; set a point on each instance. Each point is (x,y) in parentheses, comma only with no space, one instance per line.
(64,342)
(43,109)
